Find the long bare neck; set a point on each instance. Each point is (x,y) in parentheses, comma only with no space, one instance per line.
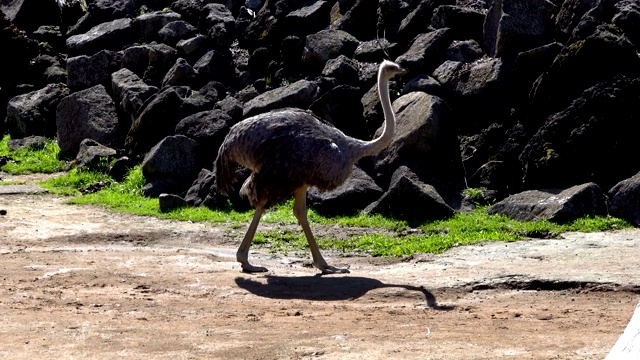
(376,145)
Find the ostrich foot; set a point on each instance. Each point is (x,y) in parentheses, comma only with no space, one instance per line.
(248,268)
(328,269)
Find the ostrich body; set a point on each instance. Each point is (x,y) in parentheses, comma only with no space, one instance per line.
(289,151)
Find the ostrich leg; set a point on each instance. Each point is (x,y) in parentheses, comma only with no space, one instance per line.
(300,212)
(243,251)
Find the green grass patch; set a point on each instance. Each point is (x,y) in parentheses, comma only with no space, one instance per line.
(73,181)
(360,220)
(374,234)
(32,161)
(439,236)
(597,223)
(127,196)
(281,241)
(378,236)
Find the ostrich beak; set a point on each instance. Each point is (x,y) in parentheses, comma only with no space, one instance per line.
(402,71)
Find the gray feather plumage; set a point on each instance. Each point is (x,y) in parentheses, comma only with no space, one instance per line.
(285,149)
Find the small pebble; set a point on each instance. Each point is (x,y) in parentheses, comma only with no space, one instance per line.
(3,212)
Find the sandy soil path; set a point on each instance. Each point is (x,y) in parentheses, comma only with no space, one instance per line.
(86,283)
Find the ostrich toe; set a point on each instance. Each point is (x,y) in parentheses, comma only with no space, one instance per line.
(248,268)
(328,269)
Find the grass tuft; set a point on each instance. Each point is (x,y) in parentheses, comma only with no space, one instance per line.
(32,161)
(372,234)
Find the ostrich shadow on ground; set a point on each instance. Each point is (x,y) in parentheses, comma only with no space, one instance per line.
(322,288)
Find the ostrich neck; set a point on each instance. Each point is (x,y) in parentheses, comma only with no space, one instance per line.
(376,145)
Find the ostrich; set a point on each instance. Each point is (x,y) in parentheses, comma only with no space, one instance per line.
(289,151)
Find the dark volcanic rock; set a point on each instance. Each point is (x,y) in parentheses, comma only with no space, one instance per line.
(410,199)
(624,200)
(589,141)
(347,199)
(558,205)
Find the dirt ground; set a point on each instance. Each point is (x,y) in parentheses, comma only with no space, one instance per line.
(82,282)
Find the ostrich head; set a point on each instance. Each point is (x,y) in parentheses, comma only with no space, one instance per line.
(389,69)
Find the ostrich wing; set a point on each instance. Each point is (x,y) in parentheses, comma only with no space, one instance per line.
(286,150)
(301,155)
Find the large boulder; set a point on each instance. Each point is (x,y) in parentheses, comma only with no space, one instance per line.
(582,64)
(150,23)
(390,15)
(216,66)
(465,22)
(308,19)
(112,35)
(624,200)
(374,51)
(208,129)
(414,22)
(34,113)
(161,59)
(102,11)
(15,67)
(191,10)
(341,106)
(130,92)
(218,22)
(589,141)
(325,45)
(48,69)
(170,166)
(569,15)
(86,71)
(465,51)
(525,69)
(424,140)
(176,31)
(93,155)
(195,101)
(410,199)
(181,73)
(342,69)
(619,13)
(477,91)
(30,14)
(491,158)
(33,142)
(157,120)
(232,107)
(423,83)
(268,27)
(427,51)
(626,18)
(358,191)
(193,48)
(359,20)
(204,192)
(88,114)
(299,94)
(149,61)
(512,26)
(557,205)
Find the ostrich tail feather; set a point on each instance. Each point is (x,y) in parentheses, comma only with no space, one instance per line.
(225,171)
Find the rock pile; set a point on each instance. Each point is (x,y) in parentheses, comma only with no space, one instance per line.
(508,96)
